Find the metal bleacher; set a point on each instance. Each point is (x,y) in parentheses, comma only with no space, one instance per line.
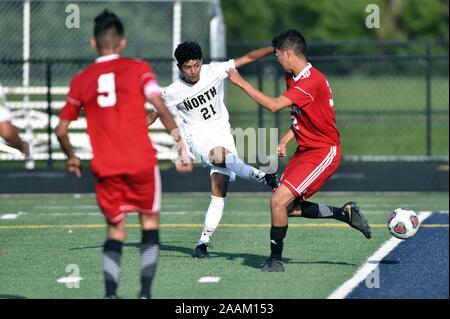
(30,111)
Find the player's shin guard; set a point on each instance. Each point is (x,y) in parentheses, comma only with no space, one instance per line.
(149,260)
(212,218)
(277,235)
(112,252)
(313,210)
(235,164)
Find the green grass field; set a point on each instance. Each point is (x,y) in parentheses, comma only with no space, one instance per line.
(54,231)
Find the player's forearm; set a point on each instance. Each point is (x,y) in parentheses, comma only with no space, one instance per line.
(170,125)
(10,133)
(62,133)
(259,53)
(253,56)
(152,117)
(66,145)
(287,137)
(268,102)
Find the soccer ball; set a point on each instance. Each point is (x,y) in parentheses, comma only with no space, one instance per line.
(403,223)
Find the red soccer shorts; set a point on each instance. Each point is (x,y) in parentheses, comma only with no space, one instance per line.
(309,169)
(122,194)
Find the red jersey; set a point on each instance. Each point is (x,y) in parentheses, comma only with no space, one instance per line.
(312,113)
(112,91)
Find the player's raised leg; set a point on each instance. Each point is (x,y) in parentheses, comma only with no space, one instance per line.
(219,186)
(149,252)
(349,213)
(222,157)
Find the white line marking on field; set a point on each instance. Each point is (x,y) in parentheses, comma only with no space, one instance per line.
(9,216)
(69,280)
(371,264)
(208,280)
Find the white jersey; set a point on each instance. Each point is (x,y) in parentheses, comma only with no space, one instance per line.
(201,105)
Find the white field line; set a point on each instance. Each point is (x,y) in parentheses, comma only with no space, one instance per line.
(371,264)
(8,216)
(97,213)
(209,280)
(69,280)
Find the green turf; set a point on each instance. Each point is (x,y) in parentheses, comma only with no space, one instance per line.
(317,259)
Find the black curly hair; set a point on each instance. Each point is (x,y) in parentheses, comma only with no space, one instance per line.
(188,50)
(108,29)
(292,39)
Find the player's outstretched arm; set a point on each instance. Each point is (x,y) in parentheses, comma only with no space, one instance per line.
(62,133)
(184,161)
(273,104)
(252,56)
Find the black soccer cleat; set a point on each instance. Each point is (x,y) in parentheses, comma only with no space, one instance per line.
(201,251)
(272,265)
(272,180)
(357,219)
(111,297)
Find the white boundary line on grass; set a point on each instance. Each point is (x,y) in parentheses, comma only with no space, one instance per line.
(372,263)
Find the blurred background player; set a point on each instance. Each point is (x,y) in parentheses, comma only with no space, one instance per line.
(318,153)
(198,95)
(8,131)
(112,91)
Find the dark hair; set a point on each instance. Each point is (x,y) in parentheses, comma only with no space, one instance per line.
(108,29)
(188,50)
(290,39)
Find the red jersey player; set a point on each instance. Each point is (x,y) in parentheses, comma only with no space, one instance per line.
(318,153)
(112,91)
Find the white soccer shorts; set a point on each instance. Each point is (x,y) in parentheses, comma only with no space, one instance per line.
(5,114)
(200,145)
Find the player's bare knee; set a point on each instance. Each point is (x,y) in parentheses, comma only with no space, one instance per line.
(149,221)
(277,203)
(219,191)
(218,155)
(117,231)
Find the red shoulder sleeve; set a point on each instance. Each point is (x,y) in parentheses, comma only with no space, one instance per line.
(302,93)
(73,104)
(149,82)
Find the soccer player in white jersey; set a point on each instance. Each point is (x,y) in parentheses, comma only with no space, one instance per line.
(8,131)
(198,95)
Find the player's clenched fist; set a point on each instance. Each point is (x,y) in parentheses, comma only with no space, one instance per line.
(74,165)
(281,150)
(184,161)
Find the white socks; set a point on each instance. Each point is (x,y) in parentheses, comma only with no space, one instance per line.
(235,164)
(212,218)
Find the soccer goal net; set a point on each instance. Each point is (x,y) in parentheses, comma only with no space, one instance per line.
(44,43)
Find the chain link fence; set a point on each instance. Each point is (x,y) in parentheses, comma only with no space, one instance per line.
(391,102)
(44,43)
(388,107)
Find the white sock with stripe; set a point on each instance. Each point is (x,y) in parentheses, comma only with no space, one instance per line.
(235,164)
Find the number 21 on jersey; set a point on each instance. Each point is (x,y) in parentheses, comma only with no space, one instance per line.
(107,90)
